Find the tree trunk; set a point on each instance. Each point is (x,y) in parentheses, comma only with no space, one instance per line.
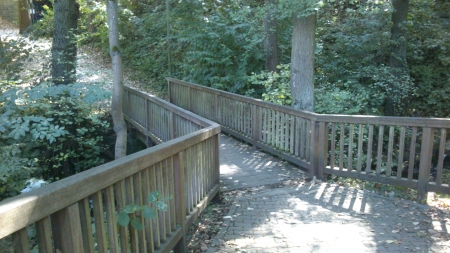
(271,39)
(64,48)
(24,15)
(397,59)
(302,62)
(116,105)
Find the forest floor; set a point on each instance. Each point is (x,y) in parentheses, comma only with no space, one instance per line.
(94,66)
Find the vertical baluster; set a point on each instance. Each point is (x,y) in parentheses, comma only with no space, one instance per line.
(369,149)
(360,146)
(390,152)
(111,218)
(333,146)
(341,146)
(100,232)
(350,147)
(442,140)
(412,153)
(401,147)
(380,148)
(44,235)
(121,202)
(20,240)
(86,226)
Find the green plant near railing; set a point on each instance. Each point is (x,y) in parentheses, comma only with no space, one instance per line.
(156,202)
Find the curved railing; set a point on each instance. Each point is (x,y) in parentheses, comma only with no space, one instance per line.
(78,213)
(393,150)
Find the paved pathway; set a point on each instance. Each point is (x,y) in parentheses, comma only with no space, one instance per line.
(311,216)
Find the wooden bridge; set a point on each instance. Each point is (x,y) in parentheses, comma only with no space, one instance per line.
(78,214)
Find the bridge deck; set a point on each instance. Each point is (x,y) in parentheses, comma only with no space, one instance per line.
(310,216)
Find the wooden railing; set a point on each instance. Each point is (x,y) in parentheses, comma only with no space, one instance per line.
(381,149)
(79,213)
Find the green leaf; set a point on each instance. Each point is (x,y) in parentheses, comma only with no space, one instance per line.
(149,213)
(136,223)
(132,208)
(123,219)
(153,197)
(161,205)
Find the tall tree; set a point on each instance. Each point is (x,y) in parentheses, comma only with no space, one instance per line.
(302,60)
(24,15)
(116,104)
(64,47)
(397,59)
(271,39)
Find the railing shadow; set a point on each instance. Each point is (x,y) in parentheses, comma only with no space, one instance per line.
(330,218)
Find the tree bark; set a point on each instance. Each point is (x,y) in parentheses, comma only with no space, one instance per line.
(271,39)
(24,15)
(397,59)
(116,104)
(302,62)
(64,47)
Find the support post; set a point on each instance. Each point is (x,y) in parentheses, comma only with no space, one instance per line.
(425,163)
(66,230)
(256,123)
(180,201)
(314,148)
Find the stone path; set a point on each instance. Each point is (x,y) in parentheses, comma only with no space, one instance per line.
(312,216)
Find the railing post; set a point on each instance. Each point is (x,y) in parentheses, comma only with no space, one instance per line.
(180,201)
(425,163)
(256,123)
(66,230)
(218,109)
(314,148)
(318,149)
(169,90)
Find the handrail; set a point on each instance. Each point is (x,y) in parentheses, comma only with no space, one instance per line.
(61,211)
(376,148)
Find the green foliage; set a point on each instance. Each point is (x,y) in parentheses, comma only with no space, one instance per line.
(50,132)
(155,201)
(43,28)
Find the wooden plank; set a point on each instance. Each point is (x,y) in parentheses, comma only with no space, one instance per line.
(425,163)
(322,149)
(360,146)
(401,148)
(369,149)
(333,146)
(99,221)
(155,221)
(341,146)
(442,142)
(380,148)
(180,201)
(113,238)
(412,153)
(130,199)
(66,230)
(292,134)
(309,138)
(44,235)
(390,151)
(121,203)
(147,222)
(20,242)
(86,226)
(350,147)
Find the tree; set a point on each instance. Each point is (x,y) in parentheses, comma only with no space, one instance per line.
(116,105)
(302,59)
(24,15)
(271,39)
(397,59)
(64,47)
